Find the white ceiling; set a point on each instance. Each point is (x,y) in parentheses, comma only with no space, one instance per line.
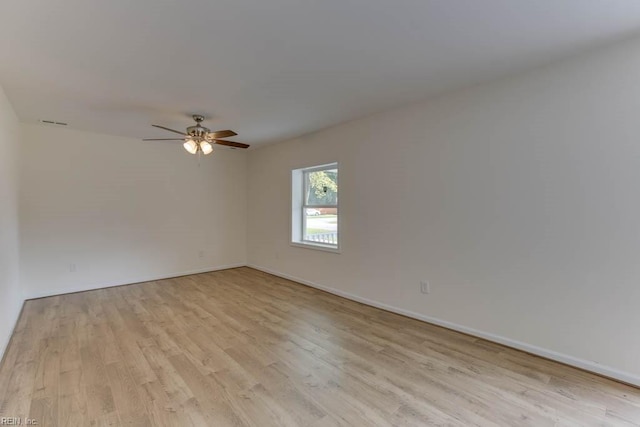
(274,69)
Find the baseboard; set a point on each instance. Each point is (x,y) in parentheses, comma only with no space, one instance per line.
(128,281)
(3,350)
(586,365)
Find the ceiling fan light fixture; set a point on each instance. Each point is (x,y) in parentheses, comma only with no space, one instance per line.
(206,147)
(199,139)
(191,146)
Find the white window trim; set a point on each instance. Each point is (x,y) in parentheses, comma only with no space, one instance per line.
(297,219)
(316,246)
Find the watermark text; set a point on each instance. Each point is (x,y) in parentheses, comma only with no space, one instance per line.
(18,421)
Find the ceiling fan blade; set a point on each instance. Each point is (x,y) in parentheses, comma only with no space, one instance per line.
(170,130)
(163,139)
(222,134)
(231,144)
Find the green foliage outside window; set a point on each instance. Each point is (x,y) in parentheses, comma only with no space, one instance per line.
(322,188)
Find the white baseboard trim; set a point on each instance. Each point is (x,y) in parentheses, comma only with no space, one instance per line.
(586,365)
(129,281)
(3,350)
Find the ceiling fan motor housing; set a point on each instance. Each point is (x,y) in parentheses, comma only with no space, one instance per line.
(198,131)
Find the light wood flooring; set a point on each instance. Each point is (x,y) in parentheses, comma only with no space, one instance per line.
(241,347)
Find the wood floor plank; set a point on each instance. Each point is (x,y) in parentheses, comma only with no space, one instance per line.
(242,347)
(99,396)
(72,403)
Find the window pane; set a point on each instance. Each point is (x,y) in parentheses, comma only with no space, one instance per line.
(321,225)
(321,187)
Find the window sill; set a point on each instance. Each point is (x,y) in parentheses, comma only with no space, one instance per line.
(316,246)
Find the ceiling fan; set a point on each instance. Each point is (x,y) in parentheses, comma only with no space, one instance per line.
(199,138)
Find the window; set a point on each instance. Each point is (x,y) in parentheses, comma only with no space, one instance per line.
(314,213)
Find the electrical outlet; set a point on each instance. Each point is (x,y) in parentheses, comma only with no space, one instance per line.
(200,254)
(425,287)
(72,268)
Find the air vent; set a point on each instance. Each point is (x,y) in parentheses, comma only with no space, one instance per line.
(51,122)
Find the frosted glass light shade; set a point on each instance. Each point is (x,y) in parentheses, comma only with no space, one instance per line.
(206,147)
(191,146)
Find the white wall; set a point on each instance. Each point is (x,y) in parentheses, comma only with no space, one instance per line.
(122,210)
(10,294)
(519,201)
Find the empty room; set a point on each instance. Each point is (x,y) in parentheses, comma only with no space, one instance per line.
(320,213)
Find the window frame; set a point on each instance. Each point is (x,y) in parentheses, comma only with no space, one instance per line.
(298,223)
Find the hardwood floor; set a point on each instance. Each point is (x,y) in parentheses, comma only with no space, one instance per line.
(241,347)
